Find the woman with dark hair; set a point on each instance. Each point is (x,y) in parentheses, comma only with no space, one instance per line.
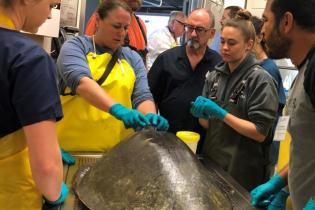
(104,86)
(30,159)
(238,107)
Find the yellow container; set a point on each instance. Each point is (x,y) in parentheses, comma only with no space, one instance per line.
(190,138)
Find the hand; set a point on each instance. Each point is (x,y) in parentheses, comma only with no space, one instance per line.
(205,108)
(63,195)
(263,192)
(279,201)
(67,158)
(130,117)
(310,205)
(157,121)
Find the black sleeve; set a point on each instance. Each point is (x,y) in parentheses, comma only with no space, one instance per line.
(309,81)
(34,87)
(155,79)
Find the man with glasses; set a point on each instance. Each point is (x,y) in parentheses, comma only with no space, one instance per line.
(177,76)
(166,37)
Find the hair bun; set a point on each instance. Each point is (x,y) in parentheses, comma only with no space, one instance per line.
(243,14)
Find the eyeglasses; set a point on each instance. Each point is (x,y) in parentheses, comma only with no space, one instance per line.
(180,22)
(198,29)
(54,6)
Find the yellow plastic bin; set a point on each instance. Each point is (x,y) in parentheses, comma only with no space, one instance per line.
(190,138)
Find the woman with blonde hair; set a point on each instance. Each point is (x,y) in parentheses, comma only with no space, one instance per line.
(238,107)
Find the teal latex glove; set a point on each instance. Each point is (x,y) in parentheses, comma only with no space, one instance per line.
(63,195)
(310,205)
(67,158)
(157,121)
(130,117)
(263,192)
(206,108)
(279,201)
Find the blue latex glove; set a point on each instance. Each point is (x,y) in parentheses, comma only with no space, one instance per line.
(157,121)
(67,158)
(130,117)
(279,201)
(205,108)
(261,194)
(63,195)
(310,205)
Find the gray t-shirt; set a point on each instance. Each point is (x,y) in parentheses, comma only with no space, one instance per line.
(302,130)
(72,65)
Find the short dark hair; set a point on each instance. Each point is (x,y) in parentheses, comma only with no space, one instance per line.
(258,24)
(303,12)
(233,10)
(109,5)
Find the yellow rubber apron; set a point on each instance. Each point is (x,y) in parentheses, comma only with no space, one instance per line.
(86,128)
(17,187)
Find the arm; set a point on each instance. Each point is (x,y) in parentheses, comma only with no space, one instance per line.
(45,158)
(204,123)
(142,98)
(94,94)
(244,127)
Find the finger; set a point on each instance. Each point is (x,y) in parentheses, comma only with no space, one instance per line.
(155,120)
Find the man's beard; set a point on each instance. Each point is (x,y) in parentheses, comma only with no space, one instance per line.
(277,46)
(194,44)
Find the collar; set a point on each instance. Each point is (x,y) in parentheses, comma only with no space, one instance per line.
(206,57)
(309,54)
(247,63)
(6,22)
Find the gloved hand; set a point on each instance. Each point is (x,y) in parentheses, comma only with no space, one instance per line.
(63,195)
(67,158)
(310,205)
(130,117)
(157,121)
(279,201)
(263,192)
(205,108)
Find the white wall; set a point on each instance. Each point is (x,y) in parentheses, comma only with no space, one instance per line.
(240,3)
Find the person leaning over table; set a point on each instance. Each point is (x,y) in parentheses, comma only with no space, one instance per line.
(97,116)
(238,107)
(30,159)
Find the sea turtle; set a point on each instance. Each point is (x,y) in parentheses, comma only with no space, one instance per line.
(149,170)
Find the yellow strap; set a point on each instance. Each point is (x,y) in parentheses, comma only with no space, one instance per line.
(6,22)
(12,144)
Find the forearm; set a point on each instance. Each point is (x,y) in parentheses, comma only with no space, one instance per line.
(284,173)
(204,123)
(146,107)
(45,158)
(244,127)
(94,94)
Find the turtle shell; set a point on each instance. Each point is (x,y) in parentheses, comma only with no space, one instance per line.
(149,170)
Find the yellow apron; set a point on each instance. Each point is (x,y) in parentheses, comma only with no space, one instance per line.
(17,188)
(86,128)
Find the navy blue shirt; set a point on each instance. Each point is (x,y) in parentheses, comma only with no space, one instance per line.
(28,86)
(174,85)
(273,70)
